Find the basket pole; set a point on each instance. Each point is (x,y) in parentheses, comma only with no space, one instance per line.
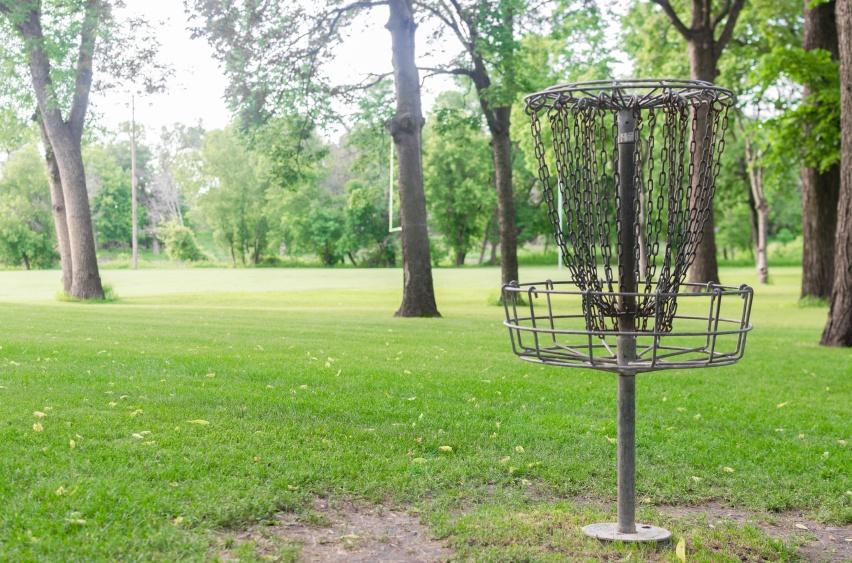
(627,309)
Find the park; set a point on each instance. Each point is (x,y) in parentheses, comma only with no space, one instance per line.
(413,281)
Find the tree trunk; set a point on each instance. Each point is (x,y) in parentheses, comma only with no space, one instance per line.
(460,256)
(702,66)
(57,200)
(501,146)
(26,260)
(838,329)
(418,295)
(820,191)
(65,138)
(762,206)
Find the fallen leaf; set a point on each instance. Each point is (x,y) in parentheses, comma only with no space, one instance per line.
(801,526)
(729,470)
(210,375)
(780,405)
(519,449)
(137,436)
(37,427)
(418,460)
(611,440)
(697,416)
(680,551)
(177,520)
(446,448)
(112,404)
(60,491)
(39,414)
(350,537)
(199,421)
(72,443)
(696,479)
(506,459)
(79,521)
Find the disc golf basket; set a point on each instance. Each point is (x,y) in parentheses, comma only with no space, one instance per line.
(636,163)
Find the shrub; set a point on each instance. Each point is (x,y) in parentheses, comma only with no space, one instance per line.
(180,242)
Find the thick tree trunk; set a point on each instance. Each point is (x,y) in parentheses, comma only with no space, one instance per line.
(65,138)
(57,201)
(502,149)
(838,329)
(702,66)
(418,294)
(820,191)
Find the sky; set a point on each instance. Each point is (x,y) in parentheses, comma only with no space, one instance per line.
(196,92)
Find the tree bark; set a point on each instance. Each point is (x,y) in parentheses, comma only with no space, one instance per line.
(755,174)
(838,328)
(704,47)
(820,190)
(501,147)
(65,138)
(418,295)
(57,201)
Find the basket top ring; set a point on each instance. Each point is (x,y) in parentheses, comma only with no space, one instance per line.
(630,94)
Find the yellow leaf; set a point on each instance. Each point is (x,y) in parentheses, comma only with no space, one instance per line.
(137,436)
(60,491)
(199,421)
(780,405)
(39,414)
(697,416)
(446,448)
(519,449)
(801,526)
(665,399)
(696,479)
(729,470)
(350,537)
(303,386)
(37,427)
(418,460)
(211,375)
(611,440)
(680,409)
(177,520)
(505,459)
(680,551)
(72,443)
(112,404)
(842,442)
(75,521)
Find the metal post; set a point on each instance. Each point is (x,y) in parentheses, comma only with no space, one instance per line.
(627,308)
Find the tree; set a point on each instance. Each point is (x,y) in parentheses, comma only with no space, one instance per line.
(704,49)
(60,59)
(457,172)
(25,233)
(233,198)
(273,55)
(488,32)
(838,328)
(820,186)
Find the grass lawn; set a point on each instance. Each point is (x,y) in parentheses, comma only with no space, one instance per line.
(207,400)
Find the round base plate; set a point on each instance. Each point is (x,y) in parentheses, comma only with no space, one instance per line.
(644,533)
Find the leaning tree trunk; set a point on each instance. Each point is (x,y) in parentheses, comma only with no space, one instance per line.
(820,190)
(702,66)
(838,329)
(418,295)
(57,201)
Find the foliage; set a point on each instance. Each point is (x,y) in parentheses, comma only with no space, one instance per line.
(26,224)
(232,199)
(180,242)
(110,185)
(458,173)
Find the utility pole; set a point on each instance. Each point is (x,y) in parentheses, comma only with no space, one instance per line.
(135,241)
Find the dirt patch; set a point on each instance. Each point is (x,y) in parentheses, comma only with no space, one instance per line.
(820,543)
(344,531)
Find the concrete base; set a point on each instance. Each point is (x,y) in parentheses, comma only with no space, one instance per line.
(644,533)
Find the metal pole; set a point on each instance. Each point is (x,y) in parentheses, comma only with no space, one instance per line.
(135,240)
(627,308)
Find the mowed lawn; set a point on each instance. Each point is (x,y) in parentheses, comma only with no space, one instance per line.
(205,400)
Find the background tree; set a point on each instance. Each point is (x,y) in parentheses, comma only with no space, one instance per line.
(26,235)
(60,60)
(273,54)
(457,173)
(838,328)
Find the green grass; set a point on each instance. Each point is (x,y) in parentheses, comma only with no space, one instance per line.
(318,390)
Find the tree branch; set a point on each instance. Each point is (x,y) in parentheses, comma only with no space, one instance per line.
(83,80)
(4,8)
(672,15)
(728,31)
(348,8)
(454,71)
(721,15)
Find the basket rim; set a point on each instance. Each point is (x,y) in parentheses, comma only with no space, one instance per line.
(628,93)
(550,285)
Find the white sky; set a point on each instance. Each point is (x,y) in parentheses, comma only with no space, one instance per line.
(196,91)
